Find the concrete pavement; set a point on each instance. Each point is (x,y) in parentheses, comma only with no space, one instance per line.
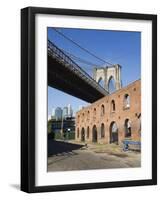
(92,157)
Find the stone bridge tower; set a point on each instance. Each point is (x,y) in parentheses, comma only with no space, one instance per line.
(106,74)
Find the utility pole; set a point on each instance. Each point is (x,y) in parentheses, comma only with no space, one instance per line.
(62,127)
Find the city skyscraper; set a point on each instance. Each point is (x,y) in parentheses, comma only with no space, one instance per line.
(58,113)
(65,112)
(70,111)
(53,112)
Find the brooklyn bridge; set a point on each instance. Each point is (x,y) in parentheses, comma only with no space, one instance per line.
(64,74)
(68,76)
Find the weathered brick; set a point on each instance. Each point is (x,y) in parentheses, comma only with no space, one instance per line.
(92,115)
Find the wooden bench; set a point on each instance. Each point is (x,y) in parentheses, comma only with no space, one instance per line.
(133,145)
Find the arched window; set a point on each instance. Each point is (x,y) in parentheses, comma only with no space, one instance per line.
(83,117)
(78,118)
(127,128)
(113,108)
(88,115)
(102,130)
(94,112)
(77,132)
(126,101)
(102,110)
(139,117)
(88,132)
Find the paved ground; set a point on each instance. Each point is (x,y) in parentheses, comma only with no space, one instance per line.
(64,156)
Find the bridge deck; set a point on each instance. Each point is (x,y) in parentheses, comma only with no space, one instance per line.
(66,75)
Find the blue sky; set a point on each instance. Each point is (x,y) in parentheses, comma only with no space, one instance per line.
(116,47)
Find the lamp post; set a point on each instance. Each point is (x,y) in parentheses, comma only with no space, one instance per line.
(62,127)
(68,133)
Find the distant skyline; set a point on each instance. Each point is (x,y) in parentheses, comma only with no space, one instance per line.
(116,47)
(57,98)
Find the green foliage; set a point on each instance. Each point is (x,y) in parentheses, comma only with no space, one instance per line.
(58,135)
(67,136)
(71,136)
(50,127)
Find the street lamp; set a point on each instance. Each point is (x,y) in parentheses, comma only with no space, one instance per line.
(68,132)
(62,122)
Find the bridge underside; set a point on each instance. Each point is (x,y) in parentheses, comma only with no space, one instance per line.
(63,79)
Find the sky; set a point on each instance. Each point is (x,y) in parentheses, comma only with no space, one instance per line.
(116,47)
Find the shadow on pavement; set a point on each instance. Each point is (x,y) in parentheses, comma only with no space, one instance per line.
(58,147)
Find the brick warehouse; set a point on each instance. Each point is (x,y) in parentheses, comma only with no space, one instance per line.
(113,118)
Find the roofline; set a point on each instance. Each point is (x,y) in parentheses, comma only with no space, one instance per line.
(110,94)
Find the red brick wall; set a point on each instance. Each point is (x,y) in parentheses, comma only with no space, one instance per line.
(89,117)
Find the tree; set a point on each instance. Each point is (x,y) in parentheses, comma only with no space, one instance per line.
(50,130)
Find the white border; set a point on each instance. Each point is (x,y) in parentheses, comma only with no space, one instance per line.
(90,176)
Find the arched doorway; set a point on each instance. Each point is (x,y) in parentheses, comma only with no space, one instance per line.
(88,132)
(113,133)
(127,128)
(83,135)
(77,132)
(102,130)
(139,117)
(94,134)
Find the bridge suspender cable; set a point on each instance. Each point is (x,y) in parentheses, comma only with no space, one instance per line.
(80,59)
(84,49)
